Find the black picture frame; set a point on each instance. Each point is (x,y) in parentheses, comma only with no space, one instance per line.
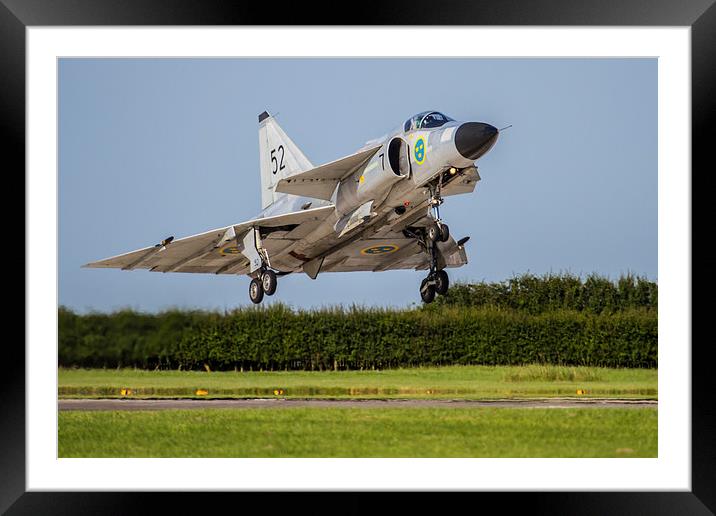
(700,15)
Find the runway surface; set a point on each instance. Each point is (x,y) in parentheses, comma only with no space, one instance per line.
(182,404)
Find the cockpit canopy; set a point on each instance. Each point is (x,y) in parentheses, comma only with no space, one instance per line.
(426,120)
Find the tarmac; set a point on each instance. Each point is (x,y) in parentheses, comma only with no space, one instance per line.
(283,403)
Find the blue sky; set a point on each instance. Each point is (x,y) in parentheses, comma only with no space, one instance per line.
(157,147)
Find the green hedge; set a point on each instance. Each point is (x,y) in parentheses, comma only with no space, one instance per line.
(539,294)
(278,338)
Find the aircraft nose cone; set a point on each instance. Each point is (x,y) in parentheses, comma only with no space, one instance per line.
(473,139)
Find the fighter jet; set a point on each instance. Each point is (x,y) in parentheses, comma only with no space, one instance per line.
(377,209)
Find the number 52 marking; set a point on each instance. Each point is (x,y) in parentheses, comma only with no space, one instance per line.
(277,164)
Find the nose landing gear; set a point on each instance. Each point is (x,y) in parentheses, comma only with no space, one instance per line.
(438,232)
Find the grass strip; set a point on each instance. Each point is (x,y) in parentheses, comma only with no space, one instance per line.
(362,432)
(466,382)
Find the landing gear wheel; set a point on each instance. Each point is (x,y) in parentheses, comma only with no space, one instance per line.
(427,292)
(444,232)
(438,232)
(433,232)
(269,282)
(256,291)
(442,282)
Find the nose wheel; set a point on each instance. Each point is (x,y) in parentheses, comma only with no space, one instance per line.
(265,283)
(438,232)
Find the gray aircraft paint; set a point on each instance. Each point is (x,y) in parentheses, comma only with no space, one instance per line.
(382,203)
(440,154)
(375,181)
(279,157)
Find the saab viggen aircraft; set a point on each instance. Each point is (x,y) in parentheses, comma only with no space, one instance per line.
(375,210)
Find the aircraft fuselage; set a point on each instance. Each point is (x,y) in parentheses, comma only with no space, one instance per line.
(397,180)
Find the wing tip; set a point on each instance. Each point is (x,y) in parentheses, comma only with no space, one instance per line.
(263,116)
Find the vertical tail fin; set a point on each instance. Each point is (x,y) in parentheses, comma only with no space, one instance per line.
(279,157)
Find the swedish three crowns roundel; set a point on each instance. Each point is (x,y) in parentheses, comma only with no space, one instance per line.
(419,150)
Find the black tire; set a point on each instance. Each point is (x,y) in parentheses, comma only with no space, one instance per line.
(444,233)
(256,291)
(427,292)
(442,282)
(269,282)
(433,232)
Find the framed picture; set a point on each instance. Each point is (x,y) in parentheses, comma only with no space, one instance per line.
(37,34)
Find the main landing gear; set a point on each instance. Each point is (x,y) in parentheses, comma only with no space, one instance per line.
(265,283)
(437,281)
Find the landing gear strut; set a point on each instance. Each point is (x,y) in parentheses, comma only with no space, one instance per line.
(439,232)
(437,281)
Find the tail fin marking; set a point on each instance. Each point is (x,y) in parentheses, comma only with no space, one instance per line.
(279,157)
